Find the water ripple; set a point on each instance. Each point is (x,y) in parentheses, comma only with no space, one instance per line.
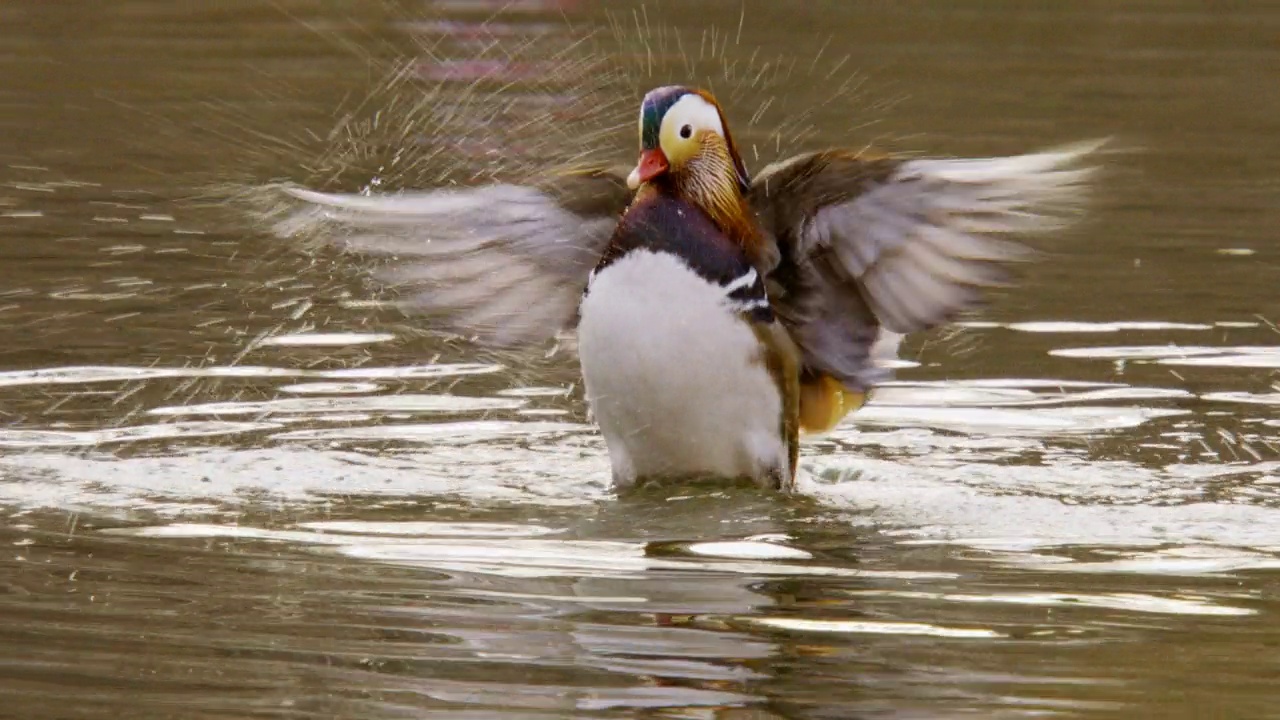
(1130,601)
(326,339)
(1247,356)
(1014,406)
(10,438)
(1066,326)
(86,374)
(406,402)
(875,628)
(513,555)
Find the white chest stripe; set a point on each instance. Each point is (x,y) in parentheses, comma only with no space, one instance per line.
(749,305)
(738,284)
(744,280)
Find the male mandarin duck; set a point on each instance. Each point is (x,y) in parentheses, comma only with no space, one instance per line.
(717,315)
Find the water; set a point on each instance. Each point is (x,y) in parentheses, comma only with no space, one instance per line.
(232,486)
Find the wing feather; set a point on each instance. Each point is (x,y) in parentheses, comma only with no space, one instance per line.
(505,264)
(875,246)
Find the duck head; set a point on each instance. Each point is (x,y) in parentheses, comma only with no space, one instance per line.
(685,143)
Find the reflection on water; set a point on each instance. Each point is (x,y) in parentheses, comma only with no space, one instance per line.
(234,485)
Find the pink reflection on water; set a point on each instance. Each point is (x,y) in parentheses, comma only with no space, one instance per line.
(504,5)
(478,31)
(478,69)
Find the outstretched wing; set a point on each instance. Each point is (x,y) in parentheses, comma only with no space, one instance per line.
(869,245)
(505,264)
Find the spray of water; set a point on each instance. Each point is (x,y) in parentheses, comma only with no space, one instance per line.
(503,100)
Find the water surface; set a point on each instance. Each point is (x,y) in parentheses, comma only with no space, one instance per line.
(233,486)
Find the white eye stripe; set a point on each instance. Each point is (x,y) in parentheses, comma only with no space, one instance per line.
(694,111)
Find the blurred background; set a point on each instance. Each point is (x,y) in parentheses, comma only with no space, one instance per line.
(232,485)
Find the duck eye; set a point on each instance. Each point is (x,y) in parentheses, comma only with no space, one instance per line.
(686,131)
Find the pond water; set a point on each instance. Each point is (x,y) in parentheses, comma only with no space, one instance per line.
(233,486)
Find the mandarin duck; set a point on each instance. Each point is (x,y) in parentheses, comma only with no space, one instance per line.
(717,315)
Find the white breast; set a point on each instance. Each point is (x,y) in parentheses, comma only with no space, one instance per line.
(676,380)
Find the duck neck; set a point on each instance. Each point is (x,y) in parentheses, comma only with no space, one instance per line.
(722,200)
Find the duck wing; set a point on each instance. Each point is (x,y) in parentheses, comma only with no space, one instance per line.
(874,247)
(504,264)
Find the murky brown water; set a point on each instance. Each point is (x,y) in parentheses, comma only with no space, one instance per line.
(232,488)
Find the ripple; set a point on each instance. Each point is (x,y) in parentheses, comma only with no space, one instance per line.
(946,499)
(1030,383)
(749,550)
(510,472)
(330,388)
(867,627)
(919,441)
(96,374)
(1018,406)
(465,432)
(1015,394)
(414,403)
(1068,420)
(355,417)
(1135,352)
(1186,560)
(86,374)
(567,558)
(326,339)
(514,556)
(550,391)
(1133,602)
(431,528)
(1248,356)
(1243,397)
(662,697)
(414,372)
(133,433)
(1263,358)
(1049,326)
